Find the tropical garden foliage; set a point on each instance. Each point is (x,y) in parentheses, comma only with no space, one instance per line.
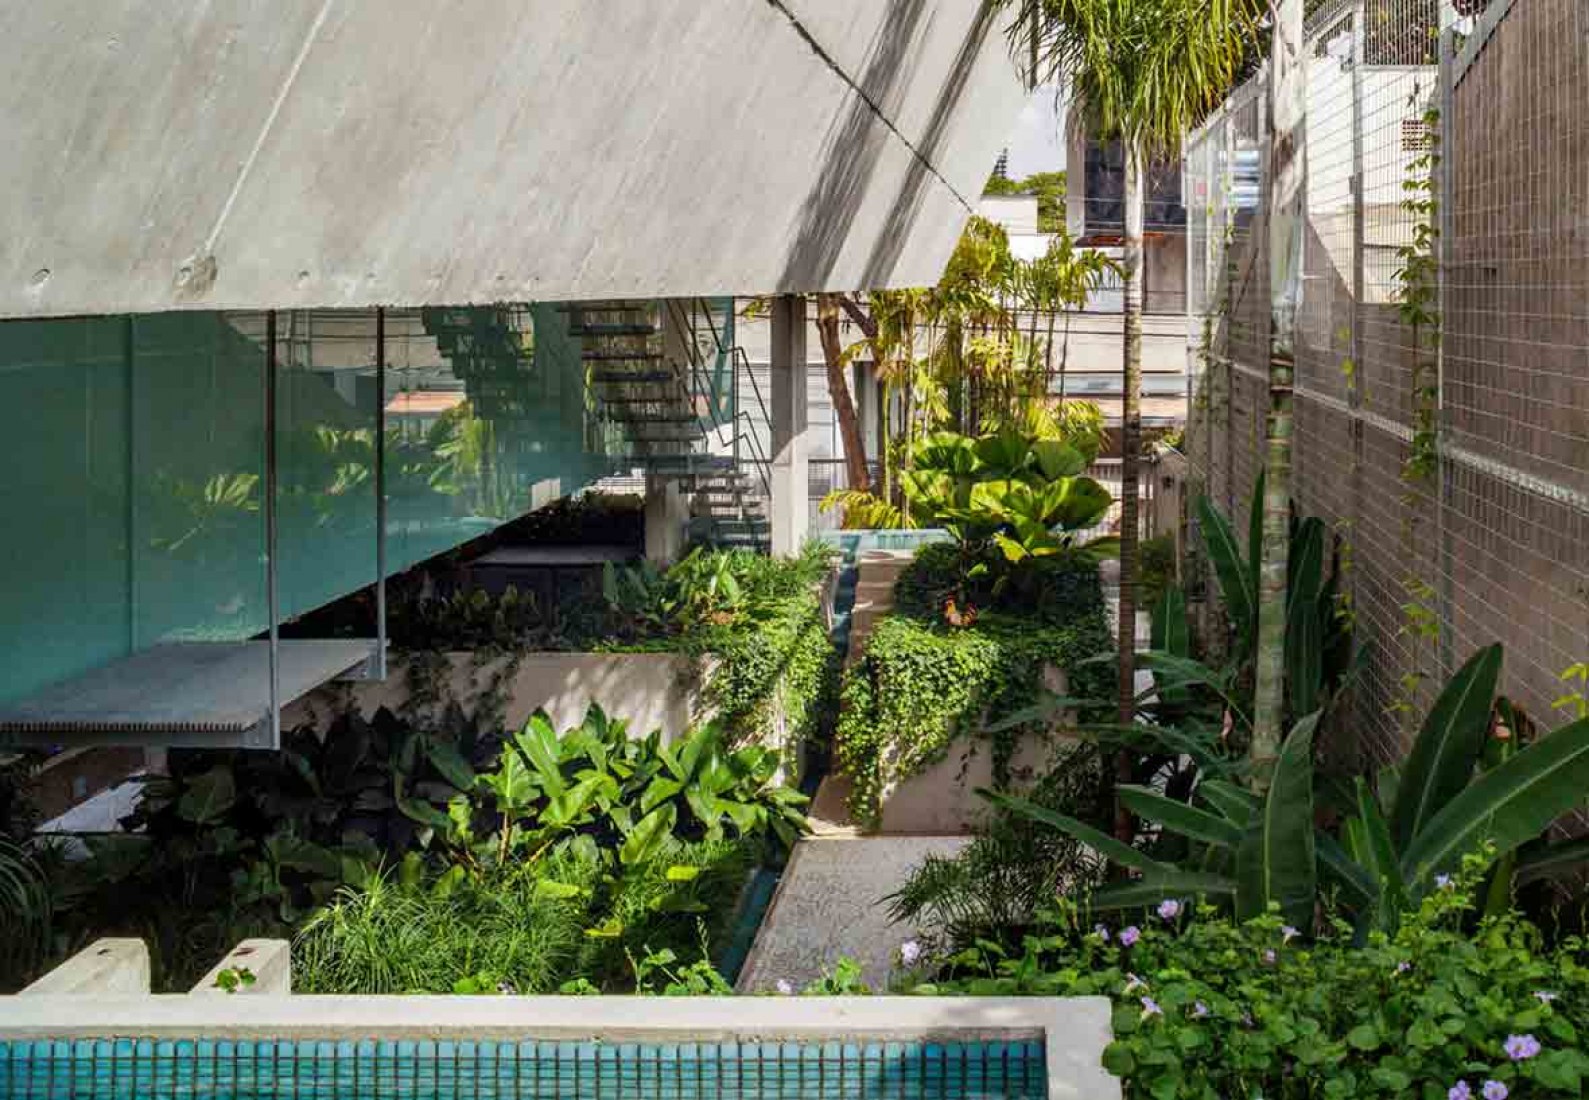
(640,844)
(1207,1008)
(980,353)
(968,645)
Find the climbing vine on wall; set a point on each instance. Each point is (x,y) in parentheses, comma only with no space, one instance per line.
(923,686)
(1417,298)
(1417,302)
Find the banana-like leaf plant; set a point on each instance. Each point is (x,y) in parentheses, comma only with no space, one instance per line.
(1452,796)
(1024,494)
(1319,652)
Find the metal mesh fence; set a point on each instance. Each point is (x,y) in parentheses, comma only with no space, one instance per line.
(1442,381)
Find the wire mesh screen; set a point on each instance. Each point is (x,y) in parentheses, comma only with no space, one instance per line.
(205,1069)
(1442,377)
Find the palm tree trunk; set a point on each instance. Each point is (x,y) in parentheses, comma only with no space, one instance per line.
(1048,353)
(1287,164)
(1064,358)
(859,477)
(1130,444)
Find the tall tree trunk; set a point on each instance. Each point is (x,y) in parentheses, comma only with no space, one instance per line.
(1048,358)
(1287,169)
(1064,358)
(1130,445)
(839,391)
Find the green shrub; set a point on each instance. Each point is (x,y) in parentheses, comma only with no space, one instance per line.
(784,670)
(1155,569)
(922,685)
(392,936)
(1010,873)
(1208,1009)
(528,927)
(1057,591)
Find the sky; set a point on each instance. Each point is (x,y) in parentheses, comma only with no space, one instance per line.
(1037,141)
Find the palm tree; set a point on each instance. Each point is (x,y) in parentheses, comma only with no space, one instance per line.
(1287,168)
(1142,72)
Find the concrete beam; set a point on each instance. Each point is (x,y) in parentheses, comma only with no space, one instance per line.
(790,473)
(268,962)
(222,154)
(108,966)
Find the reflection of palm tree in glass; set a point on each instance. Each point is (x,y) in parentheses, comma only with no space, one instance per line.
(197,514)
(458,456)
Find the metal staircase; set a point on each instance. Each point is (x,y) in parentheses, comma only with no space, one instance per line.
(666,374)
(492,351)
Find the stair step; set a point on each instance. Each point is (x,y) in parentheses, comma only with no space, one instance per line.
(614,329)
(687,465)
(617,378)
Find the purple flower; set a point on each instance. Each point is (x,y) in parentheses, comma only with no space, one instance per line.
(1443,881)
(785,987)
(1103,931)
(1134,983)
(1199,1009)
(1269,955)
(1169,909)
(910,952)
(1459,1091)
(1150,1007)
(1520,1047)
(1129,935)
(1494,1090)
(1403,966)
(1288,933)
(1544,996)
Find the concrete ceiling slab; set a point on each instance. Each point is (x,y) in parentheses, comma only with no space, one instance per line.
(335,153)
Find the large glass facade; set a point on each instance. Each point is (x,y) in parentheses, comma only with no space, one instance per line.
(134,451)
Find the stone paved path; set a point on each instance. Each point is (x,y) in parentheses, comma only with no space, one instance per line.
(830,905)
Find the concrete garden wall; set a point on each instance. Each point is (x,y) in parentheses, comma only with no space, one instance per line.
(648,690)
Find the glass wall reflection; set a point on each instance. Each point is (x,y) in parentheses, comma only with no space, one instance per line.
(134,450)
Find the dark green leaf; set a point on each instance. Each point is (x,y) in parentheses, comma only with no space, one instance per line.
(1105,845)
(1443,757)
(1552,859)
(1507,806)
(1180,818)
(1276,862)
(208,795)
(1235,585)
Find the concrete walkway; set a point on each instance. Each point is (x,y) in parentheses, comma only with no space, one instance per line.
(829,906)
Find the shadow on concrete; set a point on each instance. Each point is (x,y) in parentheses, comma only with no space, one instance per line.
(890,242)
(853,150)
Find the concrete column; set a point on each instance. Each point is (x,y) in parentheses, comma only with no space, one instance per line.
(667,515)
(790,476)
(667,510)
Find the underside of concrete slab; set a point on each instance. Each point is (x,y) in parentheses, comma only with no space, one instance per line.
(192,154)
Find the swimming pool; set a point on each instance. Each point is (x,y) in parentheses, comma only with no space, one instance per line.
(219,1047)
(134,1069)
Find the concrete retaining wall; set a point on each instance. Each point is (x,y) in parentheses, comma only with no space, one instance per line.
(648,690)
